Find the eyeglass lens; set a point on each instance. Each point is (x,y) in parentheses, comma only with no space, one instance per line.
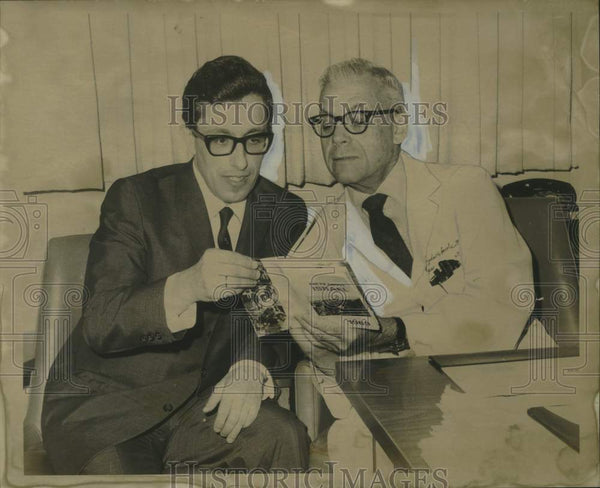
(225,145)
(354,122)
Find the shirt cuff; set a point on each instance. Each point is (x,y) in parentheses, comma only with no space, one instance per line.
(264,375)
(178,318)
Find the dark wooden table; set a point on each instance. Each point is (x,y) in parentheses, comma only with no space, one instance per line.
(397,398)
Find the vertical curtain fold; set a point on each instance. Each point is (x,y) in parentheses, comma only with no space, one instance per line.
(520,86)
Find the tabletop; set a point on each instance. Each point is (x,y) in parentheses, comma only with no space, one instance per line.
(399,399)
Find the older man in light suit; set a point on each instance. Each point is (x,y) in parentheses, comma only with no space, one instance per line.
(435,239)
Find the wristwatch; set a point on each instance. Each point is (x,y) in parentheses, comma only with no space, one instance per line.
(400,342)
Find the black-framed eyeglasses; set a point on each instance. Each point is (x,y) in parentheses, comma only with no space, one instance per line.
(224,145)
(355,122)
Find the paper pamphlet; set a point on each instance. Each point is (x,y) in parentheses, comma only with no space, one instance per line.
(325,290)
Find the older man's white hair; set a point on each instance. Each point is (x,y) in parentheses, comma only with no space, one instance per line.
(391,92)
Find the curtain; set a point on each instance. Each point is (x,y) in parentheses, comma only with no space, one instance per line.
(90,88)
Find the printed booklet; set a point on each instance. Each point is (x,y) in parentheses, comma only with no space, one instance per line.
(328,288)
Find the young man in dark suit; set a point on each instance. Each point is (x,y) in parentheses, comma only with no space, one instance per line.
(162,368)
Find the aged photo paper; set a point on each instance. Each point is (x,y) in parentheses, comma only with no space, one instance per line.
(443,155)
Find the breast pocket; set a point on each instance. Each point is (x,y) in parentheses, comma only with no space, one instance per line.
(444,272)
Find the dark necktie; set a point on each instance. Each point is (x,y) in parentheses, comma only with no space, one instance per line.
(385,234)
(223,239)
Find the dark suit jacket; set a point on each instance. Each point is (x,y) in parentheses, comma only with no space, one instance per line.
(123,371)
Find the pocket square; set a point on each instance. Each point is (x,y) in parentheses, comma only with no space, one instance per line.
(443,271)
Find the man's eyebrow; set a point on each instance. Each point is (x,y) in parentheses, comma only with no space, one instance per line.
(218,131)
(256,130)
(346,106)
(359,105)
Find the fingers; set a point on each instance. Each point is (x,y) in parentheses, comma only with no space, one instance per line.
(306,341)
(222,415)
(236,410)
(330,332)
(252,413)
(236,283)
(300,334)
(307,336)
(233,258)
(213,401)
(232,271)
(232,436)
(235,413)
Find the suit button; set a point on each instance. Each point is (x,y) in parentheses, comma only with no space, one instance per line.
(167,407)
(203,372)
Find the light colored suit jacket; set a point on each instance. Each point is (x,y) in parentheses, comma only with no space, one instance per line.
(455,212)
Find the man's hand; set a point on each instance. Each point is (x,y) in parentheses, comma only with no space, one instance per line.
(328,332)
(321,357)
(324,338)
(312,331)
(217,273)
(239,395)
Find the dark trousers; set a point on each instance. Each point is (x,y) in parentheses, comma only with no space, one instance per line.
(276,439)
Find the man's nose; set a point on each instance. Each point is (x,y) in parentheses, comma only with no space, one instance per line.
(340,134)
(239,157)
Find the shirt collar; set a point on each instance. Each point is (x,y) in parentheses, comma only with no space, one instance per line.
(394,186)
(213,203)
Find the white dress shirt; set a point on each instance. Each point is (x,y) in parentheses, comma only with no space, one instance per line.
(178,320)
(394,187)
(214,205)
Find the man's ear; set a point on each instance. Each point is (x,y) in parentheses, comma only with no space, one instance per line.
(400,128)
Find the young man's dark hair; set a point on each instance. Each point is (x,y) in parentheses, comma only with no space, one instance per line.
(224,79)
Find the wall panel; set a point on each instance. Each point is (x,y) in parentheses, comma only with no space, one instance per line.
(110,44)
(313,60)
(343,36)
(521,85)
(52,138)
(487,27)
(181,58)
(291,84)
(400,32)
(562,33)
(460,140)
(375,38)
(538,90)
(426,34)
(150,90)
(584,98)
(510,92)
(209,40)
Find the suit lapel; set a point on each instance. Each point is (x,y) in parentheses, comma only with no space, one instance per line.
(193,209)
(255,227)
(422,207)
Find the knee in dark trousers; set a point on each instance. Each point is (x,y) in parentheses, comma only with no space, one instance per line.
(282,438)
(276,439)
